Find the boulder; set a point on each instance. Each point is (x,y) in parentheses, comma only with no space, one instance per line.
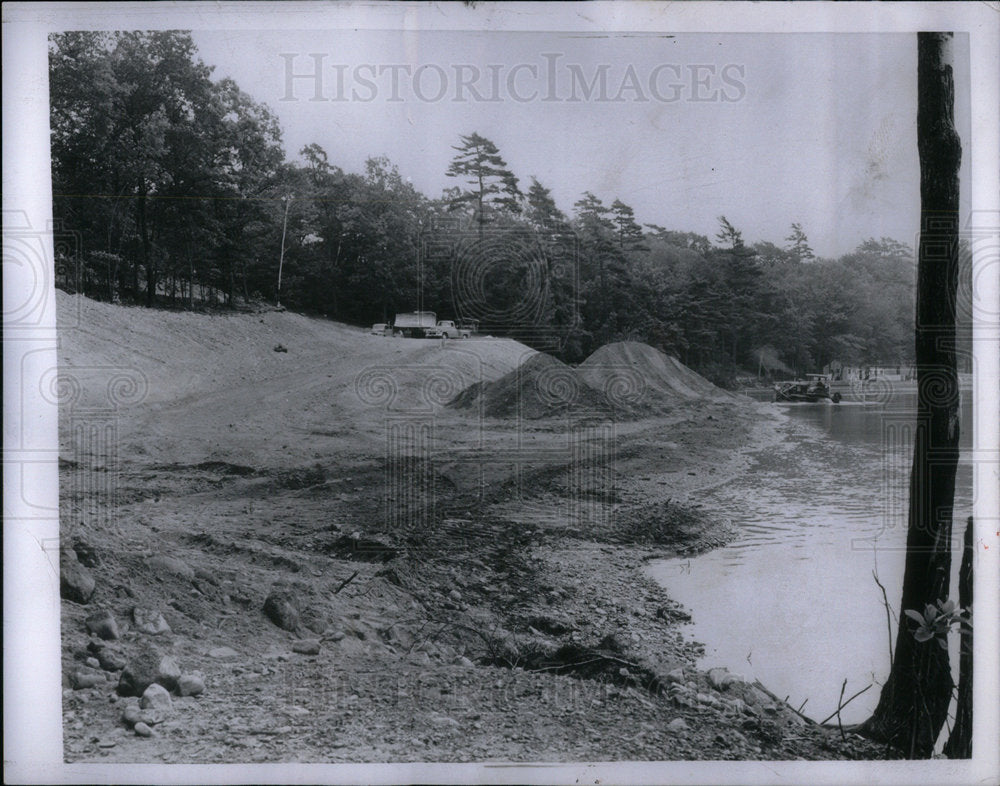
(306,647)
(81,679)
(103,625)
(142,730)
(147,665)
(282,608)
(155,697)
(76,583)
(191,684)
(170,566)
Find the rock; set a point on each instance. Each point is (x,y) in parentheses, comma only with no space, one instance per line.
(149,621)
(132,714)
(315,620)
(306,647)
(111,660)
(76,583)
(222,653)
(677,724)
(155,697)
(146,666)
(86,554)
(676,676)
(337,635)
(282,608)
(420,658)
(142,730)
(168,672)
(102,624)
(191,684)
(455,595)
(81,680)
(170,566)
(461,660)
(721,678)
(151,717)
(93,662)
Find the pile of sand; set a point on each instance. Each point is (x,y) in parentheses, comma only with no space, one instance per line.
(633,376)
(540,387)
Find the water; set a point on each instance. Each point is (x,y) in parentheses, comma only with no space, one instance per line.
(793,602)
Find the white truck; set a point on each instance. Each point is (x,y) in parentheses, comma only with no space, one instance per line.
(446,328)
(425,324)
(414,324)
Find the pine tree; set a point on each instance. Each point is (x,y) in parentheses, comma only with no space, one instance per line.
(799,246)
(629,232)
(493,185)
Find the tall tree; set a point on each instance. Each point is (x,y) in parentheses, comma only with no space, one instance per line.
(914,701)
(491,184)
(729,236)
(629,232)
(798,245)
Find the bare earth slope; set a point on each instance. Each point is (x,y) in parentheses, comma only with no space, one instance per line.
(352,571)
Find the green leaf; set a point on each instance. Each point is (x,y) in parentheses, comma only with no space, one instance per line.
(922,634)
(914,615)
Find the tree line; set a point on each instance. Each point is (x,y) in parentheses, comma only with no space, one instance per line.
(181,195)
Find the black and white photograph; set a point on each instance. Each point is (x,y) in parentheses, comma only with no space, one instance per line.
(501,392)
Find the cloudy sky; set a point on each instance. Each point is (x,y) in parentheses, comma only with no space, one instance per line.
(767,129)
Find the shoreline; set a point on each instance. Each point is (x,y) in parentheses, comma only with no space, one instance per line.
(505,615)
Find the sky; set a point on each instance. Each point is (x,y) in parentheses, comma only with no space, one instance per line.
(766,129)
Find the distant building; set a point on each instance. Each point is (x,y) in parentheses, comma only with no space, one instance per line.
(899,372)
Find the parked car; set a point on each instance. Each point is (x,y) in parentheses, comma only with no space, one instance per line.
(381,329)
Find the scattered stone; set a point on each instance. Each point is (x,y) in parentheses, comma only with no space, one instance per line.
(222,653)
(110,660)
(81,680)
(677,724)
(93,662)
(107,743)
(455,595)
(132,714)
(315,620)
(282,608)
(306,647)
(721,678)
(168,672)
(171,566)
(149,621)
(191,684)
(676,676)
(155,697)
(86,554)
(102,624)
(76,583)
(152,717)
(461,660)
(147,666)
(420,658)
(337,635)
(142,730)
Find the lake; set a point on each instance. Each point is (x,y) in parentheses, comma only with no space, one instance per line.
(793,601)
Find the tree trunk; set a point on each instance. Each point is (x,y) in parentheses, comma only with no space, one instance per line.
(959,745)
(913,705)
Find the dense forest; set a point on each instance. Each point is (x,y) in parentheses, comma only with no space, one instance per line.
(181,196)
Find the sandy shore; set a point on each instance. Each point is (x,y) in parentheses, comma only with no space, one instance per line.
(501,613)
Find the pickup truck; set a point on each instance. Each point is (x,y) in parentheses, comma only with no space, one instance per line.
(446,328)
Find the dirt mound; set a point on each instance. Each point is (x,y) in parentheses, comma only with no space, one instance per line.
(634,375)
(540,387)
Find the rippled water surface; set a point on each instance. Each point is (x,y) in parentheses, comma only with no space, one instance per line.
(793,601)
